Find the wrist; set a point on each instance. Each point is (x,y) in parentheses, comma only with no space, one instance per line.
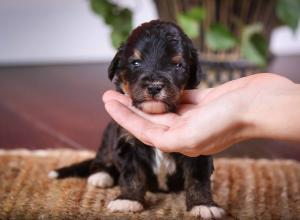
(248,129)
(273,114)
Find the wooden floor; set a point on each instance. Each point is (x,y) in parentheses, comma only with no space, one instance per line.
(60,106)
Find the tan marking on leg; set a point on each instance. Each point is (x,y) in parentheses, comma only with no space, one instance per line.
(177,58)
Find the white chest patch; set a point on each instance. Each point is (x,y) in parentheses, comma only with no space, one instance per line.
(164,165)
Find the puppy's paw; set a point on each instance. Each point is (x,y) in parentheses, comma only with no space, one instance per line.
(207,212)
(53,174)
(124,205)
(100,179)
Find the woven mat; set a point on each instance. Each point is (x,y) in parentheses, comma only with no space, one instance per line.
(245,188)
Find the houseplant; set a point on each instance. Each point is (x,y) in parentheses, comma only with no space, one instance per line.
(231,35)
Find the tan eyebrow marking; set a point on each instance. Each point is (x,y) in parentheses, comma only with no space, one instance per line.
(136,54)
(177,58)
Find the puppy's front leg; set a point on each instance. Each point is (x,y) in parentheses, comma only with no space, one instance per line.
(133,188)
(199,202)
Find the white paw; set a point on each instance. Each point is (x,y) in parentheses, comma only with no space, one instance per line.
(100,179)
(52,174)
(207,212)
(123,205)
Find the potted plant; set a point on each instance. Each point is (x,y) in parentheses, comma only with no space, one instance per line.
(232,35)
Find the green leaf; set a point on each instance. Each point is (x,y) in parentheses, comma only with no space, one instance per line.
(122,19)
(119,19)
(117,38)
(252,29)
(190,20)
(218,37)
(255,50)
(100,7)
(254,46)
(288,11)
(196,13)
(189,25)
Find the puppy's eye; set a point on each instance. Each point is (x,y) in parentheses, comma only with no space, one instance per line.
(136,63)
(179,66)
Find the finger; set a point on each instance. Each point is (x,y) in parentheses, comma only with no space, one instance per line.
(223,89)
(193,96)
(114,95)
(165,119)
(144,130)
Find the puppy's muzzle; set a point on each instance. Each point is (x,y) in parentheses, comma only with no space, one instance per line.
(155,88)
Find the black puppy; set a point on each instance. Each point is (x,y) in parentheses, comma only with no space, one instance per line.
(155,65)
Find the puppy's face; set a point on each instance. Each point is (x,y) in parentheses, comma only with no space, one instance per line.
(155,65)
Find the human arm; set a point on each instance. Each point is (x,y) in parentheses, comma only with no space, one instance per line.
(210,120)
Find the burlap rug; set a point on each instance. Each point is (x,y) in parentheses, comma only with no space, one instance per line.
(245,188)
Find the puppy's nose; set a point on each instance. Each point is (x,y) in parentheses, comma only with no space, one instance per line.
(154,89)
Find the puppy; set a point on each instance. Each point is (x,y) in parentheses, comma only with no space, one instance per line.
(153,67)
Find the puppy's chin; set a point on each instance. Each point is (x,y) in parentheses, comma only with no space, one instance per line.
(153,107)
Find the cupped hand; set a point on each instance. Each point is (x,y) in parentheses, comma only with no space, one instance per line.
(206,122)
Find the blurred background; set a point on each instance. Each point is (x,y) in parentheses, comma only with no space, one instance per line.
(54,57)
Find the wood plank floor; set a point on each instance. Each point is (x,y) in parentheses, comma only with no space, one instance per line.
(60,106)
(52,106)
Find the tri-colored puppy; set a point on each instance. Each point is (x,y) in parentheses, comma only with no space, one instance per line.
(153,67)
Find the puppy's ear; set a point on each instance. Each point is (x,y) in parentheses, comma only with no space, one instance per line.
(195,74)
(115,63)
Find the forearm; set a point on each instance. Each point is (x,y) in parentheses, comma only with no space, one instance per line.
(275,114)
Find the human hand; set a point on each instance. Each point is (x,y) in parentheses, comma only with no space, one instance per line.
(207,121)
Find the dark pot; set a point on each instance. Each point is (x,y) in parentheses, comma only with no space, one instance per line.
(226,65)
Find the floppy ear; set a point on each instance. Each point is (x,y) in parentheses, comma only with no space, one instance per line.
(115,63)
(195,74)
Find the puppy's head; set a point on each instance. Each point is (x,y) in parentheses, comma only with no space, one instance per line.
(156,63)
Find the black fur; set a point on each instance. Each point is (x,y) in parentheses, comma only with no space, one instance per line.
(156,54)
